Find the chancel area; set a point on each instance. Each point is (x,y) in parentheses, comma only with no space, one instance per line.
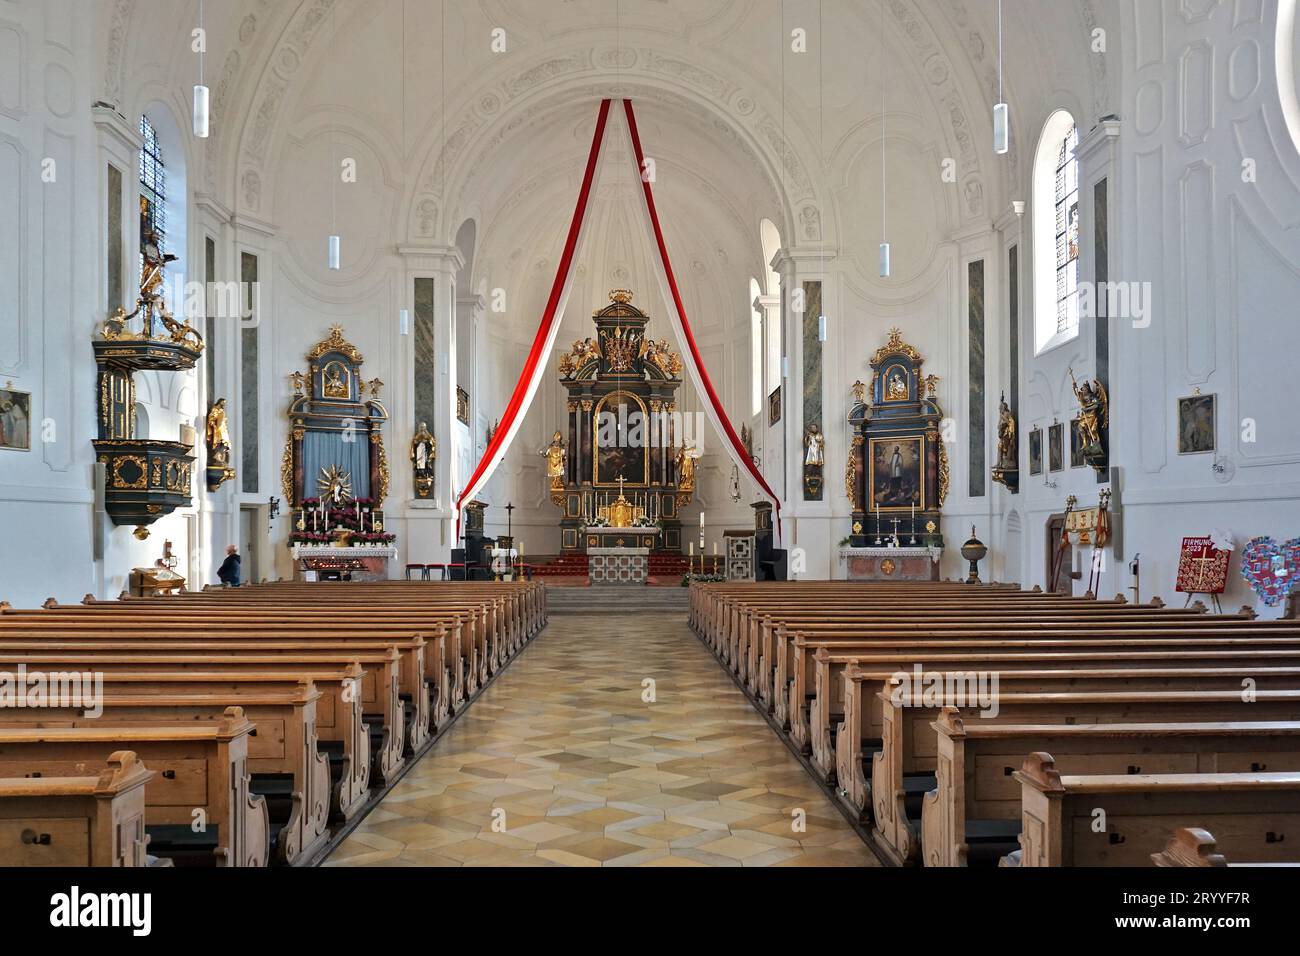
(703,433)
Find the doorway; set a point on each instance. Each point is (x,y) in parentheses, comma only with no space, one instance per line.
(1055,555)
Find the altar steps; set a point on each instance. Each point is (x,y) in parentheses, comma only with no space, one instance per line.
(616,600)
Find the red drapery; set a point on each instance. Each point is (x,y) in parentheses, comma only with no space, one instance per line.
(539,354)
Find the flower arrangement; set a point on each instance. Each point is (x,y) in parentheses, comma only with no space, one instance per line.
(689,579)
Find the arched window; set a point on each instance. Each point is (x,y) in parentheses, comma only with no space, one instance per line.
(153,183)
(1056,233)
(1288,64)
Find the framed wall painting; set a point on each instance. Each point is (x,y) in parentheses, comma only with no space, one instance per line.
(1056,447)
(1036,452)
(774,406)
(1076,446)
(15,420)
(896,476)
(1197,425)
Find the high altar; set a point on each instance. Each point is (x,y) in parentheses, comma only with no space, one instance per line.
(897,473)
(620,474)
(334,471)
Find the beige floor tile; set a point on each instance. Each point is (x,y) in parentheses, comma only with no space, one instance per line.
(589,775)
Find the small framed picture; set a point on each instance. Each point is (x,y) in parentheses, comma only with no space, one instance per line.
(1036,452)
(1056,447)
(774,406)
(1076,446)
(15,420)
(1197,424)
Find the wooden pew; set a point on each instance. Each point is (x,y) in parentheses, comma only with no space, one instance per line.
(202,767)
(811,715)
(286,765)
(388,667)
(858,736)
(341,731)
(1193,846)
(1249,813)
(975,805)
(901,773)
(76,820)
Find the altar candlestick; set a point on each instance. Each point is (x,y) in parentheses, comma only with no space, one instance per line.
(692,549)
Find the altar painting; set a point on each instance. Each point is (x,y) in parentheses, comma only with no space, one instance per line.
(897,478)
(622,431)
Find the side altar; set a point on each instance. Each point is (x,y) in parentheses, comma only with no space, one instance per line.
(334,472)
(897,472)
(625,466)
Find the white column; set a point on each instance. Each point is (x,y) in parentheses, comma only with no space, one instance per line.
(431,526)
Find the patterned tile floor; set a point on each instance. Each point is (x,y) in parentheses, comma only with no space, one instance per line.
(561,763)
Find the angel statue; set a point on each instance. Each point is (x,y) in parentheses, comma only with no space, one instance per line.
(1094,414)
(1007,451)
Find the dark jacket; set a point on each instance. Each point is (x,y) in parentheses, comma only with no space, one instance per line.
(228,573)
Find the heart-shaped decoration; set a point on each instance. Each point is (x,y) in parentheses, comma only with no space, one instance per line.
(1271,569)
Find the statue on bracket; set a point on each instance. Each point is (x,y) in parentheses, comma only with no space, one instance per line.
(1007,470)
(1094,421)
(814,459)
(685,461)
(424,453)
(217,437)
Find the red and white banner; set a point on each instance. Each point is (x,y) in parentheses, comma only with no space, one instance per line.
(539,356)
(682,328)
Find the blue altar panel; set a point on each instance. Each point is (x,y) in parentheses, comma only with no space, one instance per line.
(322,449)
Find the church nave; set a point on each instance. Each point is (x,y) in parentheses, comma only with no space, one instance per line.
(589,775)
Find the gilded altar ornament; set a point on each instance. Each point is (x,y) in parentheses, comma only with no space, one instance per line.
(896,386)
(851,482)
(1094,418)
(381,466)
(622,348)
(860,392)
(297,379)
(216,435)
(424,455)
(814,459)
(943,474)
(1006,471)
(375,386)
(662,357)
(335,381)
(334,485)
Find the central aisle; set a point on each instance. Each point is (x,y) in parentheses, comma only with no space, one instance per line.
(579,771)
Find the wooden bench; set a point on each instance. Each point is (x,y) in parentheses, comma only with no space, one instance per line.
(901,774)
(96,820)
(200,775)
(287,767)
(1250,814)
(975,809)
(858,736)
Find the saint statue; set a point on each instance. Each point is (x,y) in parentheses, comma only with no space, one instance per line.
(685,462)
(814,446)
(1093,413)
(1007,451)
(555,454)
(217,434)
(424,452)
(860,392)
